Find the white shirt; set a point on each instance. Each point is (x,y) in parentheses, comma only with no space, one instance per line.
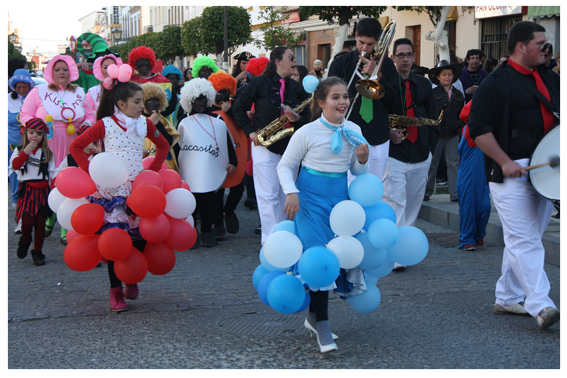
(311,145)
(32,172)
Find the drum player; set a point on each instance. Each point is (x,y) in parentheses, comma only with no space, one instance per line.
(513,108)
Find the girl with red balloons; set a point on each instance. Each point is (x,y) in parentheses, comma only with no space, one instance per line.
(34,164)
(122,128)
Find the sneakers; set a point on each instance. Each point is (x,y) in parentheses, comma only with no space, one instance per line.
(23,248)
(131,291)
(18,229)
(515,309)
(231,221)
(480,243)
(469,247)
(399,267)
(208,240)
(547,317)
(117,300)
(218,232)
(38,258)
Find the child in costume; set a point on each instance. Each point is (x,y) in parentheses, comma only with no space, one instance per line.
(122,130)
(206,154)
(154,102)
(326,148)
(100,67)
(35,166)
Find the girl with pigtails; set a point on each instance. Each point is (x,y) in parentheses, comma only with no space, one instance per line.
(122,128)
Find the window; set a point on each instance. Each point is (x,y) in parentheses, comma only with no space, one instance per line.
(494,32)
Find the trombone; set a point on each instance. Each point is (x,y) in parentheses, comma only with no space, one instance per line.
(371,88)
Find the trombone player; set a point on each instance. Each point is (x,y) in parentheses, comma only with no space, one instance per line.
(370,115)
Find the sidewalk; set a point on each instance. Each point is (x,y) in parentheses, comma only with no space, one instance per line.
(439,210)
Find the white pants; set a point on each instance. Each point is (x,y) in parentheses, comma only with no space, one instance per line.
(377,161)
(269,193)
(524,215)
(404,187)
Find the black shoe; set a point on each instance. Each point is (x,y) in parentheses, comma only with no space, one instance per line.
(38,258)
(23,248)
(48,231)
(251,203)
(231,221)
(258,230)
(218,232)
(208,239)
(64,240)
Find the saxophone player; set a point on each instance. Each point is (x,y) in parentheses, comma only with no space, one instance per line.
(267,93)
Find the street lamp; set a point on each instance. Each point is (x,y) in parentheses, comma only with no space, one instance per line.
(116,33)
(13,37)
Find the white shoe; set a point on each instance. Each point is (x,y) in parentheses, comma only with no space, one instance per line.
(324,335)
(547,317)
(515,309)
(312,329)
(399,266)
(18,229)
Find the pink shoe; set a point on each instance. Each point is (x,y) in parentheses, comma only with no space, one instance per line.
(131,291)
(117,300)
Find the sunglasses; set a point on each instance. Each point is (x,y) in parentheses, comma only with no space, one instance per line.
(291,57)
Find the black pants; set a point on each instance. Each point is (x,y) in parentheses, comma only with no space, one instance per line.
(234,196)
(114,281)
(210,208)
(319,304)
(250,191)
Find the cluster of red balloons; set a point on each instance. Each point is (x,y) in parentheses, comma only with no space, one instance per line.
(165,231)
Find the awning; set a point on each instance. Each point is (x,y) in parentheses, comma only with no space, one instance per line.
(548,11)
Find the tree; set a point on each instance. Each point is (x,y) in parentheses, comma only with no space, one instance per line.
(13,52)
(274,33)
(438,17)
(169,45)
(191,32)
(343,15)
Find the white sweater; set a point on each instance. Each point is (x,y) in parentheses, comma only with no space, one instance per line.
(32,169)
(311,145)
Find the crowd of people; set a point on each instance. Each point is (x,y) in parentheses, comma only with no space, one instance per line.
(207,124)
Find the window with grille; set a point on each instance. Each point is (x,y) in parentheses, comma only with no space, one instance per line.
(494,32)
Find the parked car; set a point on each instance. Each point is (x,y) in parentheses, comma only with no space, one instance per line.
(39,80)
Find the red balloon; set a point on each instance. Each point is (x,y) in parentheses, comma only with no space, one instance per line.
(154,230)
(148,178)
(147,201)
(171,180)
(88,218)
(73,182)
(114,244)
(71,235)
(180,234)
(132,269)
(193,240)
(149,160)
(184,185)
(161,258)
(81,254)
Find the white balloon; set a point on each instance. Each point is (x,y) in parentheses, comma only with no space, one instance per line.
(348,250)
(282,249)
(180,203)
(191,220)
(55,199)
(66,209)
(108,170)
(347,218)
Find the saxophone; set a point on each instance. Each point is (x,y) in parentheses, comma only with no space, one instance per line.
(399,121)
(276,130)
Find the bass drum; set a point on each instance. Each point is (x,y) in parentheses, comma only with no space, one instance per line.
(546,180)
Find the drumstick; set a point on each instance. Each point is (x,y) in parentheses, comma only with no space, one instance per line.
(553,162)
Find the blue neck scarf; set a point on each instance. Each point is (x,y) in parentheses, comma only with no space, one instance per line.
(354,138)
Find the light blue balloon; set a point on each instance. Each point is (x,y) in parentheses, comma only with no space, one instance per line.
(371,279)
(286,294)
(259,272)
(319,267)
(378,211)
(267,265)
(383,234)
(373,256)
(305,303)
(411,248)
(367,301)
(310,83)
(265,283)
(286,225)
(382,271)
(366,189)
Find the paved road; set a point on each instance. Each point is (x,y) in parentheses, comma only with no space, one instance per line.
(206,314)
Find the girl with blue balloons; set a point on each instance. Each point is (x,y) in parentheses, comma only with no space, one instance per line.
(326,148)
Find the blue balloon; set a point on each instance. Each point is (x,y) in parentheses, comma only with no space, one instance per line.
(411,248)
(378,211)
(383,234)
(310,83)
(367,301)
(373,256)
(371,280)
(382,271)
(319,267)
(267,265)
(305,303)
(265,283)
(286,225)
(286,294)
(366,189)
(259,272)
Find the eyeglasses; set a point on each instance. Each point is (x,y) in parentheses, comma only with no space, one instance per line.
(402,56)
(292,58)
